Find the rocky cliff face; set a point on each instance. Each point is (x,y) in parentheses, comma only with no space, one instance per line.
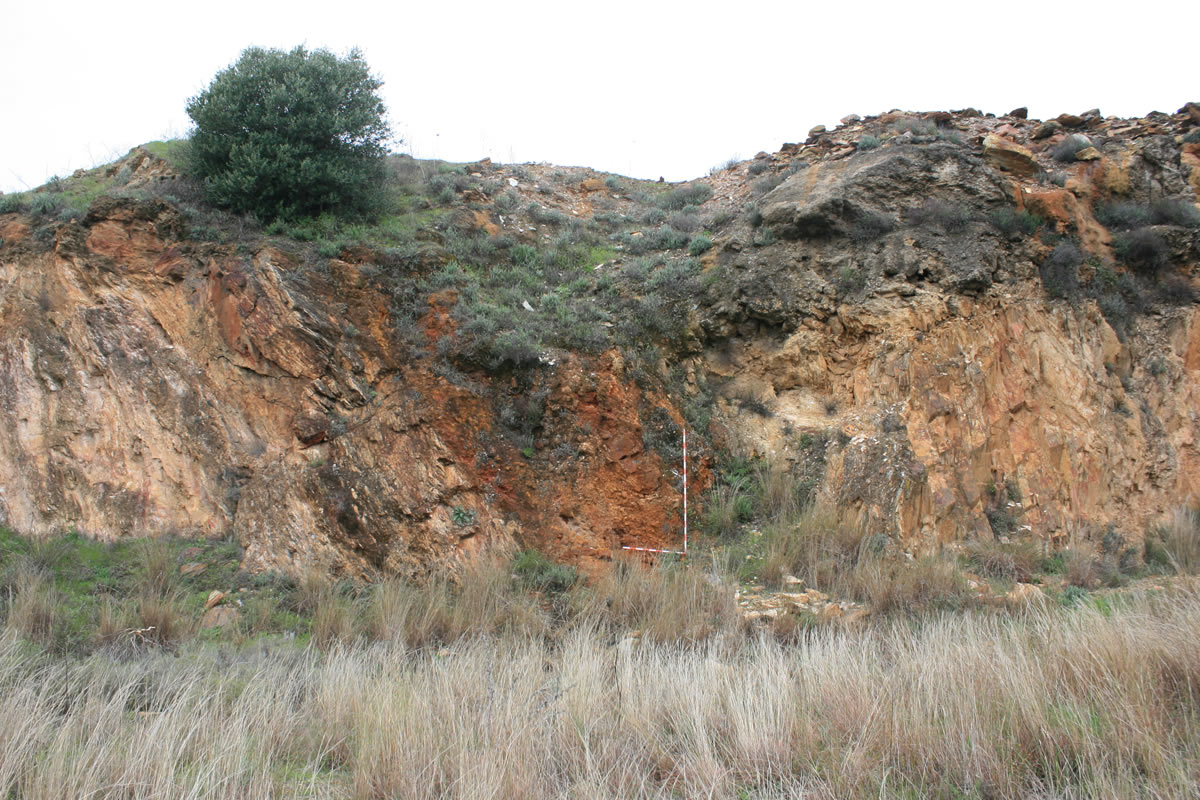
(875,311)
(890,295)
(154,384)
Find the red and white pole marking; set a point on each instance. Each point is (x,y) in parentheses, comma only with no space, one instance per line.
(654,550)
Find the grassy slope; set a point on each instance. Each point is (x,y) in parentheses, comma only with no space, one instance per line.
(1049,703)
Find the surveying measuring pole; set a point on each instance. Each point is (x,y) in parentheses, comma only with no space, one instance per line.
(685,492)
(682,552)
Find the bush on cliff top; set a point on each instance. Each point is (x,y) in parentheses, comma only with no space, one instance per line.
(290,134)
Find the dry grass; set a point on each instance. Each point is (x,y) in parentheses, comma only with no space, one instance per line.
(1181,539)
(674,603)
(1013,561)
(36,608)
(159,570)
(1052,703)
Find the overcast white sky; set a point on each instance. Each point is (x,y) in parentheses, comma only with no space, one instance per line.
(639,88)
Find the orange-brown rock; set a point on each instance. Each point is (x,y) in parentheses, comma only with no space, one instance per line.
(155,385)
(1009,156)
(982,393)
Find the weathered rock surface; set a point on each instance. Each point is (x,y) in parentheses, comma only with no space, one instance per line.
(904,345)
(921,360)
(156,385)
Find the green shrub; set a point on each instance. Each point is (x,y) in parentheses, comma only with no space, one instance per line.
(13,203)
(1011,222)
(918,127)
(45,203)
(665,238)
(867,142)
(291,134)
(534,571)
(851,280)
(701,244)
(687,221)
(690,195)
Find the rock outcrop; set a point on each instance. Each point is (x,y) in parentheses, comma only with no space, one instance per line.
(157,385)
(882,292)
(892,307)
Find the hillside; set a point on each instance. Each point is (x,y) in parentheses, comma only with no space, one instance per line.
(950,326)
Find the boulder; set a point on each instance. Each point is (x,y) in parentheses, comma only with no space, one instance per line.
(214,598)
(218,617)
(1087,154)
(1019,113)
(1009,156)
(1193,112)
(1047,129)
(1024,594)
(816,131)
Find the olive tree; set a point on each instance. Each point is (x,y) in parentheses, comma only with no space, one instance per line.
(290,134)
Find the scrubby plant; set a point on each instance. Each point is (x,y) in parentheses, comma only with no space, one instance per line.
(13,203)
(1123,215)
(850,280)
(700,244)
(687,221)
(45,203)
(692,194)
(1011,222)
(867,142)
(766,183)
(950,217)
(870,225)
(290,134)
(1179,540)
(917,127)
(1060,271)
(1014,561)
(1175,212)
(1142,249)
(535,571)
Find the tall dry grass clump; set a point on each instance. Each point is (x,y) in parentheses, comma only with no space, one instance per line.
(840,558)
(35,608)
(671,603)
(1051,703)
(1181,539)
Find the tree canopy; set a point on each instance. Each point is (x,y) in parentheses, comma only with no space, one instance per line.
(291,134)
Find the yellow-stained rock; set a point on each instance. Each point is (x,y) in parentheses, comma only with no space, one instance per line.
(1009,156)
